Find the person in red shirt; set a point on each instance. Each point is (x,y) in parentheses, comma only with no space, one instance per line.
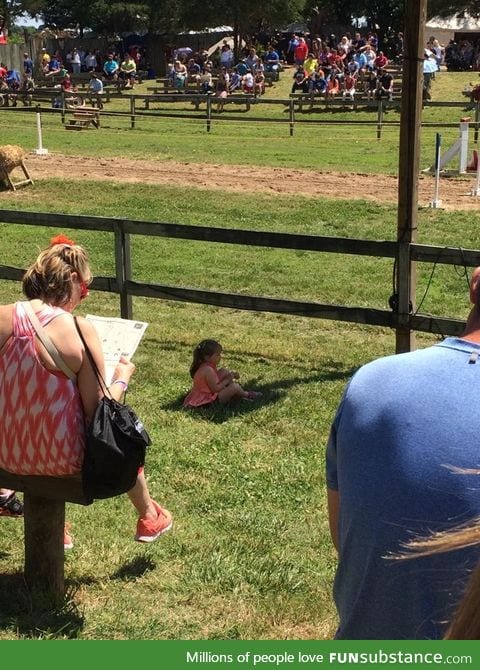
(335,60)
(381,60)
(3,32)
(3,70)
(301,51)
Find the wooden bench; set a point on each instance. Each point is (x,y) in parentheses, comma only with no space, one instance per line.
(196,100)
(85,116)
(165,85)
(302,100)
(44,516)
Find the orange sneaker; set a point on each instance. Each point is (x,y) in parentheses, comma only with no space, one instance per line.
(148,530)
(67,538)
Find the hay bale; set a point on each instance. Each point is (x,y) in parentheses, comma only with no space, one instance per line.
(11,156)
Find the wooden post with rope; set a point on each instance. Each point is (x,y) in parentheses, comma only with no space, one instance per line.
(409,161)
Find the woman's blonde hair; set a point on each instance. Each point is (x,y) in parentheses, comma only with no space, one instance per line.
(465,624)
(50,277)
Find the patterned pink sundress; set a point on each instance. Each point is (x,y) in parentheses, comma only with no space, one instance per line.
(42,428)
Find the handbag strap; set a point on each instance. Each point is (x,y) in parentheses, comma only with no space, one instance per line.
(47,342)
(99,377)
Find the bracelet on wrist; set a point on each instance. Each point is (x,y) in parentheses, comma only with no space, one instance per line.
(120,381)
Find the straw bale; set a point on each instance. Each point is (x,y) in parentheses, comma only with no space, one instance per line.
(11,156)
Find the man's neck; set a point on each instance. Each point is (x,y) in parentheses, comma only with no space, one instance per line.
(472,329)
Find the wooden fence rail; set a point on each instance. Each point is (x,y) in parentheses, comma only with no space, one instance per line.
(292,116)
(123,284)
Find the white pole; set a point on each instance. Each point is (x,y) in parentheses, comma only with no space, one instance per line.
(435,203)
(476,188)
(40,150)
(464,125)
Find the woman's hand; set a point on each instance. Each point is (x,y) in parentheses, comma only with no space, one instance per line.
(124,370)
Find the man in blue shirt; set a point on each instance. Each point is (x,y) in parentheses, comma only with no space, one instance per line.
(110,68)
(404,423)
(272,60)
(27,65)
(54,67)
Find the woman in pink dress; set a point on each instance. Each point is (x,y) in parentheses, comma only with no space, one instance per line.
(46,404)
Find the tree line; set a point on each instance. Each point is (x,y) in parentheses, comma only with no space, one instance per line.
(247,17)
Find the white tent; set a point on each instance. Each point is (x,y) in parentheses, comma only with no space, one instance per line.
(462,23)
(445,28)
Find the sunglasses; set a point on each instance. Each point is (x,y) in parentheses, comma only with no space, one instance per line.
(84,292)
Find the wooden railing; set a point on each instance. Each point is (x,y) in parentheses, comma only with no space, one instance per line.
(123,284)
(206,114)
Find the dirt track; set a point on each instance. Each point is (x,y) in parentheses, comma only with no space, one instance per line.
(454,193)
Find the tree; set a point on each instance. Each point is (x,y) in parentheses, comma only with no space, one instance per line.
(245,16)
(12,9)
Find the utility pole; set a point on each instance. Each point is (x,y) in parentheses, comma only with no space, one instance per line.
(409,162)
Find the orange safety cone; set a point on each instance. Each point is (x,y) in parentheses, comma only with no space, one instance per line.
(473,165)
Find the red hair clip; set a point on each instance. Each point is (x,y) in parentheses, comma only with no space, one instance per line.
(61,239)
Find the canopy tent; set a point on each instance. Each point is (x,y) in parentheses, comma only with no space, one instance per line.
(457,23)
(456,27)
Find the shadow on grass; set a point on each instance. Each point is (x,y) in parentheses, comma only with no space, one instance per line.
(33,616)
(182,345)
(133,569)
(271,393)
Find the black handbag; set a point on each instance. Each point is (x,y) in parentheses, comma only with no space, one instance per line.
(115,446)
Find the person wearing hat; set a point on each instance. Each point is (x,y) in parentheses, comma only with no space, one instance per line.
(44,60)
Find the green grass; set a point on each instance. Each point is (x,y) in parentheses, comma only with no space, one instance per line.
(249,556)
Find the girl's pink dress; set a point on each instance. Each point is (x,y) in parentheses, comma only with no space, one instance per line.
(42,428)
(201,394)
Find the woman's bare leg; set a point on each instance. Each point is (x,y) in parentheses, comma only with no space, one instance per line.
(141,500)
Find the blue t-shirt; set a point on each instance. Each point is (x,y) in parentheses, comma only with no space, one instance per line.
(271,57)
(402,421)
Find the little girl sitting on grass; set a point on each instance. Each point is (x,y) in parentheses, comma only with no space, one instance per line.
(211,384)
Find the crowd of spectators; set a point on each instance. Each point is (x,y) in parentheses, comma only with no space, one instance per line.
(58,70)
(340,67)
(219,75)
(463,56)
(12,84)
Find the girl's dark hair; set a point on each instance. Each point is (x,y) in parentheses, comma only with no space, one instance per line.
(202,351)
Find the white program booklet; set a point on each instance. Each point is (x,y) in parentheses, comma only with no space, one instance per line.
(119,337)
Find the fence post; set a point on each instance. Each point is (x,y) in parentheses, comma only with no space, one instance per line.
(209,113)
(132,112)
(291,110)
(123,269)
(379,119)
(44,554)
(63,107)
(409,161)
(477,121)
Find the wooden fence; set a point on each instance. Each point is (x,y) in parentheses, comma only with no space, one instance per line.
(126,287)
(292,117)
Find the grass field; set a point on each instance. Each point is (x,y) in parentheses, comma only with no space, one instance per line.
(249,556)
